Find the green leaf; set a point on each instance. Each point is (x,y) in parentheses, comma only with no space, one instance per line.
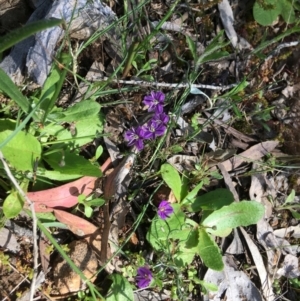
(11,90)
(171,176)
(243,213)
(120,289)
(88,211)
(68,162)
(12,205)
(81,111)
(266,15)
(99,152)
(192,194)
(209,251)
(54,83)
(211,52)
(96,202)
(290,198)
(55,175)
(212,200)
(161,231)
(287,11)
(207,285)
(184,256)
(192,47)
(21,151)
(85,131)
(19,34)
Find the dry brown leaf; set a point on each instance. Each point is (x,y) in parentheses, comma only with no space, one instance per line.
(252,154)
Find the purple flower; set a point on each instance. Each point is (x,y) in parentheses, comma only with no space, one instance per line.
(155,101)
(164,209)
(144,277)
(161,117)
(154,128)
(135,137)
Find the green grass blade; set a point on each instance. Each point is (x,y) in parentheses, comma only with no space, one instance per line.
(26,31)
(11,90)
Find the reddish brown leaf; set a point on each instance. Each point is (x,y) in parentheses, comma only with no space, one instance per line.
(66,195)
(77,225)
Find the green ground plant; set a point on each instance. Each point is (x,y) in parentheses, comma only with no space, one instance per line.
(265,12)
(180,233)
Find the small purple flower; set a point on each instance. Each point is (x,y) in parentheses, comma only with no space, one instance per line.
(161,117)
(135,137)
(155,101)
(154,128)
(164,209)
(144,277)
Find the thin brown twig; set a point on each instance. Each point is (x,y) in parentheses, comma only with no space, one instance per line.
(34,224)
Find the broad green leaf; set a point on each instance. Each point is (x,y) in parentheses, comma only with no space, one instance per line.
(187,240)
(11,90)
(12,205)
(162,230)
(212,200)
(19,34)
(172,178)
(192,194)
(120,289)
(209,251)
(21,151)
(243,213)
(68,162)
(184,256)
(85,131)
(287,11)
(266,16)
(81,111)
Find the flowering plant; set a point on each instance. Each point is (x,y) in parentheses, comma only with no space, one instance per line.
(155,127)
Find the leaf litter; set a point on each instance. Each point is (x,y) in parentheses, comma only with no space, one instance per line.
(218,128)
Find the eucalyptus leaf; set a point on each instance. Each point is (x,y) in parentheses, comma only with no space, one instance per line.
(243,213)
(209,251)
